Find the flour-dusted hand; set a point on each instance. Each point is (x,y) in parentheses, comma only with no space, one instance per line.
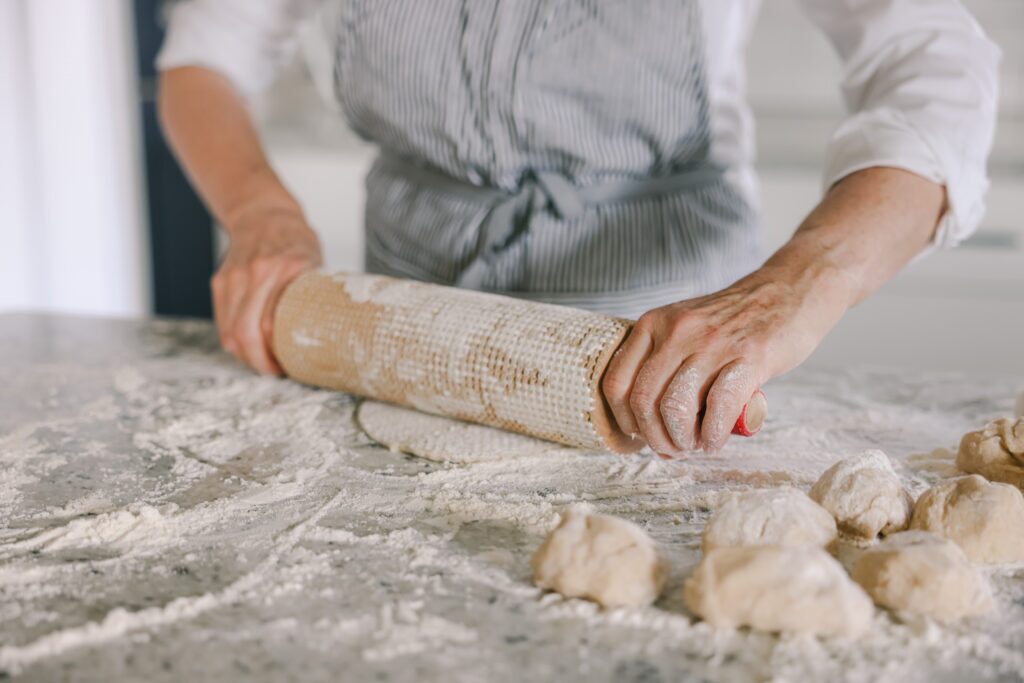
(684,373)
(269,248)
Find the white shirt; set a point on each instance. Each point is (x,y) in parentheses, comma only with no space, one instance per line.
(920,82)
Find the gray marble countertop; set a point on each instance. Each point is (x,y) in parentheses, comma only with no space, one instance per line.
(167,515)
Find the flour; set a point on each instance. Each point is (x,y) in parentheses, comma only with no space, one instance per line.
(304,338)
(176,508)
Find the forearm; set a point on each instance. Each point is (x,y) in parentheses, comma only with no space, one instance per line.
(210,131)
(866,228)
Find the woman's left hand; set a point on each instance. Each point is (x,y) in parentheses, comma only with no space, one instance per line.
(683,375)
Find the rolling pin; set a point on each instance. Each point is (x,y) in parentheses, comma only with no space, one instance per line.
(518,365)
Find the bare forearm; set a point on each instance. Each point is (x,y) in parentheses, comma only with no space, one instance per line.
(865,229)
(271,244)
(213,136)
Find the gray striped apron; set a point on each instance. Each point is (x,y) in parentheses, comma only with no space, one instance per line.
(557,150)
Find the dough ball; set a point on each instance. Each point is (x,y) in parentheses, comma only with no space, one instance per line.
(601,558)
(921,573)
(780,516)
(865,496)
(985,519)
(995,452)
(799,589)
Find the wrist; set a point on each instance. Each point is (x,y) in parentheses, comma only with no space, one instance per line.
(262,195)
(807,264)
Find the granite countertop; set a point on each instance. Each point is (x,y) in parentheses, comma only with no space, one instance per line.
(167,515)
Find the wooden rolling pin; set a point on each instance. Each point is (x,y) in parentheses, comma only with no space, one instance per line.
(518,365)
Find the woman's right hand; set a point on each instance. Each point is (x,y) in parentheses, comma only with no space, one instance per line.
(270,247)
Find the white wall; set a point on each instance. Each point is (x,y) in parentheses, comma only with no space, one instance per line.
(72,227)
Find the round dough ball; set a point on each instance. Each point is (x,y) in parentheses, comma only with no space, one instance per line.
(985,519)
(921,573)
(780,516)
(605,559)
(799,589)
(865,496)
(995,452)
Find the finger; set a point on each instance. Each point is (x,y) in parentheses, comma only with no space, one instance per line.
(267,321)
(733,387)
(619,377)
(683,400)
(224,298)
(645,400)
(232,298)
(249,329)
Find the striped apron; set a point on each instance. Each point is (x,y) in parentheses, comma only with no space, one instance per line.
(556,150)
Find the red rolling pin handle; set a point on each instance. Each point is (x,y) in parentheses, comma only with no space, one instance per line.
(752,416)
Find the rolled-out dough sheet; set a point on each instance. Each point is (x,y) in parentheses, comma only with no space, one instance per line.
(444,439)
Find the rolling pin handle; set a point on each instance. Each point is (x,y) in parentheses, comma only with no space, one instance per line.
(753,415)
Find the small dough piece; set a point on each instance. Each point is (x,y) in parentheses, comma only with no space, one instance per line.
(799,589)
(921,573)
(779,516)
(985,519)
(605,559)
(995,452)
(865,496)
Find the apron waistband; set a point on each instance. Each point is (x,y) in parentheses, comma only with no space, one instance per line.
(507,218)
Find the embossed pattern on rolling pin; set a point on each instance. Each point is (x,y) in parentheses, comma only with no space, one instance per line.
(518,365)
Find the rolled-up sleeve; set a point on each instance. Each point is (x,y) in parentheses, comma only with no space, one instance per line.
(921,85)
(246,41)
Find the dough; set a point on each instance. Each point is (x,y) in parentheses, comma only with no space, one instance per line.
(601,558)
(799,589)
(445,439)
(985,519)
(995,452)
(921,573)
(865,496)
(779,516)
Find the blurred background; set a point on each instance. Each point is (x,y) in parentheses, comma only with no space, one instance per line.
(98,219)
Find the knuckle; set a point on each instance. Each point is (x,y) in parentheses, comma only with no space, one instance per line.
(672,407)
(263,266)
(681,324)
(642,404)
(615,388)
(647,322)
(745,348)
(234,277)
(248,336)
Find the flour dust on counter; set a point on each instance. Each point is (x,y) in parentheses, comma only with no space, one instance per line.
(166,515)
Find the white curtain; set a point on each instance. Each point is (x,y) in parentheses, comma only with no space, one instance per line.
(72,225)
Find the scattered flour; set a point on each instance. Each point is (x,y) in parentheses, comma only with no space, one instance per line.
(186,511)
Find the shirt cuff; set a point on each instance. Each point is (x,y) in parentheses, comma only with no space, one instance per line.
(885,137)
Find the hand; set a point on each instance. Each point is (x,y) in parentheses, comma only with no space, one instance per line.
(269,248)
(684,373)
